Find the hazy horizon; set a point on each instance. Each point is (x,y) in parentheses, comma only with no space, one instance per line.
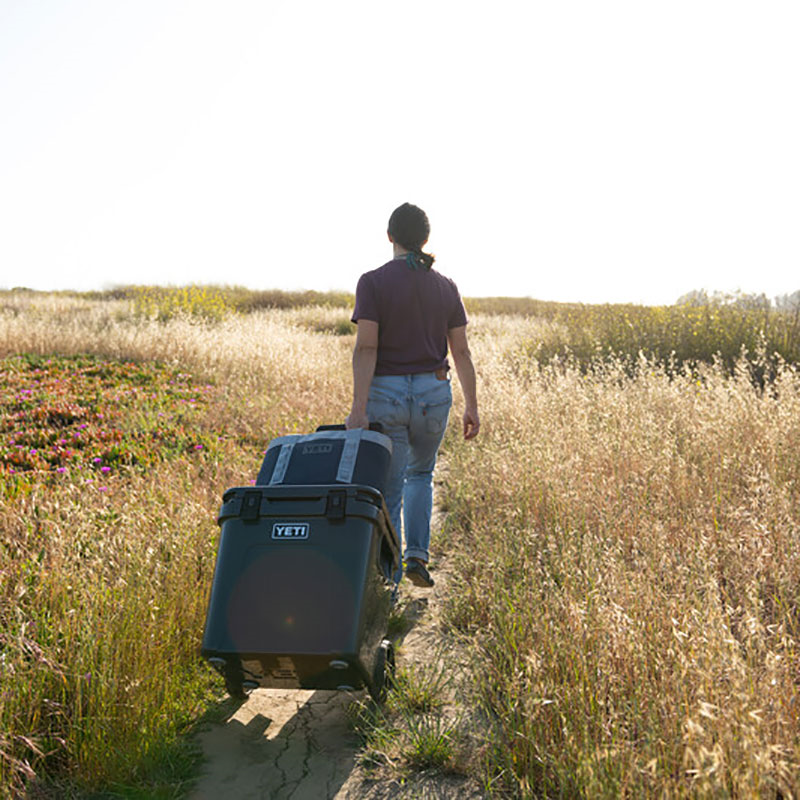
(713,295)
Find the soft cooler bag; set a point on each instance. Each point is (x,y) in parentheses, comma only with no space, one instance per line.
(328,456)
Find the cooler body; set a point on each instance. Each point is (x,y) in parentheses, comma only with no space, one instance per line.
(302,587)
(328,456)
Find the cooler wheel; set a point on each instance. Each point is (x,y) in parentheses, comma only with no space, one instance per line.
(239,690)
(383,674)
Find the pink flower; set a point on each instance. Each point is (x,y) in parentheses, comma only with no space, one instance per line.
(102,488)
(198,447)
(61,469)
(105,469)
(96,460)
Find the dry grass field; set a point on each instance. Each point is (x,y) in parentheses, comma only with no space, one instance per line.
(629,553)
(625,547)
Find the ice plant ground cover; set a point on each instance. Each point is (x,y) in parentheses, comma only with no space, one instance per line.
(87,416)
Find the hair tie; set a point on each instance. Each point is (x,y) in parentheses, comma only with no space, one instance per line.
(416,259)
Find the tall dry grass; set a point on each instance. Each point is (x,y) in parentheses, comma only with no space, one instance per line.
(627,553)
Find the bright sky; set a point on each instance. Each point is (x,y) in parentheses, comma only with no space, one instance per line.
(574,150)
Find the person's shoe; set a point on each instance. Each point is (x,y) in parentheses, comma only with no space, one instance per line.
(417,574)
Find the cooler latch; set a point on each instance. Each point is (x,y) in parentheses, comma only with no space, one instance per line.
(337,504)
(251,506)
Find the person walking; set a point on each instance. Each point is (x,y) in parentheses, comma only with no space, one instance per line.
(407,314)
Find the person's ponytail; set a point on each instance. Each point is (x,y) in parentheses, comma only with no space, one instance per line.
(424,260)
(409,227)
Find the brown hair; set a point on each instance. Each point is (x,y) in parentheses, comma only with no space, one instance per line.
(409,227)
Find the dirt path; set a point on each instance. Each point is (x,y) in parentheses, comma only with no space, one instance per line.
(283,744)
(280,744)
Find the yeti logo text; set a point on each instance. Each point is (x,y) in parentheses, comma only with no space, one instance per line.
(285,530)
(317,449)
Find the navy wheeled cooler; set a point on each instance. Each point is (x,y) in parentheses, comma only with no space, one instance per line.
(303,580)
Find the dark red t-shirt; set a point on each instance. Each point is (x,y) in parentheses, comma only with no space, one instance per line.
(414,309)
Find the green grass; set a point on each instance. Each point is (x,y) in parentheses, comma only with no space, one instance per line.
(168,774)
(412,731)
(431,742)
(421,688)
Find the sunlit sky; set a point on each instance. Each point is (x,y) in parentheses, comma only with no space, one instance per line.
(572,150)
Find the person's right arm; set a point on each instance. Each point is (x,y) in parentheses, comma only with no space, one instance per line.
(365,356)
(465,369)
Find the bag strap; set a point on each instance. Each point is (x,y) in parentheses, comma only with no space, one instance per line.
(347,461)
(282,463)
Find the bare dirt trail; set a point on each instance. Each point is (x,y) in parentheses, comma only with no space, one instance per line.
(300,745)
(280,744)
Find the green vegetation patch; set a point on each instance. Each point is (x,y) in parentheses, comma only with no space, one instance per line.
(213,303)
(677,337)
(83,419)
(167,302)
(673,336)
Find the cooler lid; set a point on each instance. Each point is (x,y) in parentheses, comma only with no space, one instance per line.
(332,500)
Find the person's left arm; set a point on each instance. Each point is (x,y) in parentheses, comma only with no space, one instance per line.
(365,356)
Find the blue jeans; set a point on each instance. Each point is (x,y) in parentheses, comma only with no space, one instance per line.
(413,411)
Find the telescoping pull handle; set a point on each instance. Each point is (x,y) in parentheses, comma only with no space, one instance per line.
(373,426)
